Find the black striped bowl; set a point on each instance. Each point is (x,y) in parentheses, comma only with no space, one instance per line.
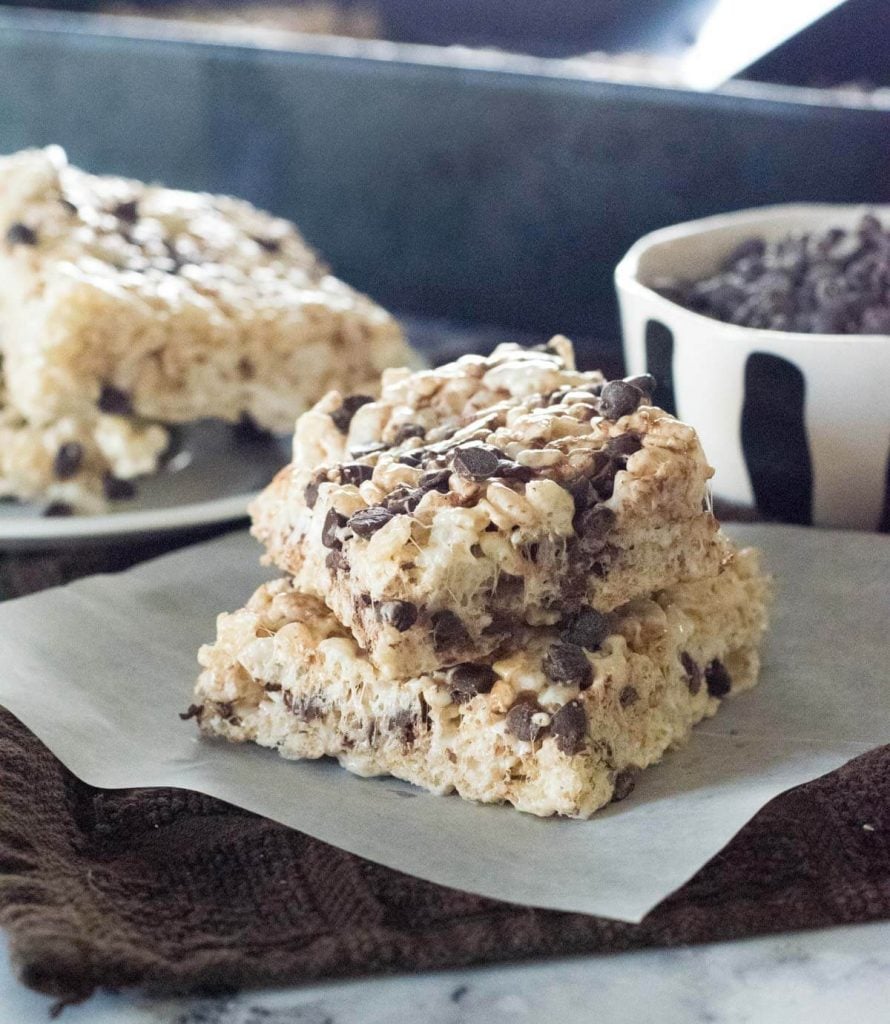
(796,425)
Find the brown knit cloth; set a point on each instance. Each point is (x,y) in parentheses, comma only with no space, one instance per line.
(172,891)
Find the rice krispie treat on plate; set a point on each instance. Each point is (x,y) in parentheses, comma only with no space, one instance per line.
(555,722)
(484,495)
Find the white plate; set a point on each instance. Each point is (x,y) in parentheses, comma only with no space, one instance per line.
(211,479)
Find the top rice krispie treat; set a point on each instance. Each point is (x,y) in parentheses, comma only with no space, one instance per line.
(487,493)
(125,298)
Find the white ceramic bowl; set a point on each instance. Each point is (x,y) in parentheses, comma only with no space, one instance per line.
(797,425)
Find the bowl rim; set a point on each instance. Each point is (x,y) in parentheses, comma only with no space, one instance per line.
(628,283)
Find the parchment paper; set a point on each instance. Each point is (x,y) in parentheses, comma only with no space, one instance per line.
(99,670)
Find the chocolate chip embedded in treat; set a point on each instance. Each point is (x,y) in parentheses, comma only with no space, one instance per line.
(193,711)
(407,431)
(475,463)
(115,401)
(269,244)
(448,630)
(468,680)
(21,234)
(693,672)
(412,459)
(401,615)
(717,679)
(336,561)
(362,450)
(333,521)
(624,785)
(583,494)
(569,727)
(342,417)
(594,524)
(404,723)
(310,493)
(509,470)
(436,480)
(645,382)
(128,211)
(368,521)
(117,489)
(520,718)
(509,587)
(58,508)
(628,696)
(567,664)
(68,460)
(587,628)
(619,399)
(404,500)
(355,473)
(623,446)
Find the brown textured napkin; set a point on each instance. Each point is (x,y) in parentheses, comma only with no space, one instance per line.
(171,891)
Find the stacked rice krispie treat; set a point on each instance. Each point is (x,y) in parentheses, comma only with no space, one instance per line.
(125,308)
(503,578)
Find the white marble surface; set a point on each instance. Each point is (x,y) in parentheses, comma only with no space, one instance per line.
(837,975)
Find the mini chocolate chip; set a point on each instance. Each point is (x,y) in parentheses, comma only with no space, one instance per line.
(403,500)
(336,561)
(595,523)
(623,785)
(436,480)
(117,489)
(128,211)
(509,470)
(333,521)
(623,446)
(355,473)
(693,672)
(193,711)
(21,234)
(58,508)
(401,615)
(586,628)
(467,680)
(68,460)
(272,687)
(509,587)
(645,382)
(604,479)
(407,431)
(368,521)
(619,399)
(412,459)
(367,449)
(567,663)
(519,721)
(269,244)
(403,723)
(114,401)
(475,463)
(628,696)
(717,679)
(342,417)
(448,630)
(583,494)
(310,494)
(569,727)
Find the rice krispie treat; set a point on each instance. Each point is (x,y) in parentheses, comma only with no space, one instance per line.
(556,722)
(124,298)
(489,493)
(74,465)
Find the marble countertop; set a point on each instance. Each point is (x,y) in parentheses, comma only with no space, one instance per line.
(836,975)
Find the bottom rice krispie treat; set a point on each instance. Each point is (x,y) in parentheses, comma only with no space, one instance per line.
(558,724)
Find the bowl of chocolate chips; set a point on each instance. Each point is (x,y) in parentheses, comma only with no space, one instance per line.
(769,329)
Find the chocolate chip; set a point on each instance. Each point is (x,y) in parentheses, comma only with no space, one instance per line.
(194,711)
(509,587)
(269,244)
(448,630)
(569,727)
(623,446)
(436,480)
(68,460)
(404,499)
(401,615)
(603,481)
(117,489)
(404,723)
(368,521)
(586,628)
(128,211)
(333,521)
(58,508)
(21,234)
(467,680)
(509,470)
(520,718)
(595,523)
(407,431)
(114,401)
(475,463)
(619,399)
(645,382)
(342,417)
(367,449)
(567,664)
(717,679)
(355,473)
(412,459)
(583,494)
(336,561)
(628,696)
(623,785)
(272,687)
(692,672)
(310,493)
